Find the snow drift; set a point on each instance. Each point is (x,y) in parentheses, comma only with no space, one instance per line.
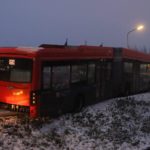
(121,123)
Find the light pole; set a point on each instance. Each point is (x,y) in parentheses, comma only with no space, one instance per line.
(138,28)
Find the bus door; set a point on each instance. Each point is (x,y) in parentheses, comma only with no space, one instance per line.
(55,82)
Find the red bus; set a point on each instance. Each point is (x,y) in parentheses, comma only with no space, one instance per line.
(54,79)
(49,80)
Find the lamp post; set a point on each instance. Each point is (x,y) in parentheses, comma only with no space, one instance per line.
(138,28)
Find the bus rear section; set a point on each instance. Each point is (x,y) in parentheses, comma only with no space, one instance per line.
(15,83)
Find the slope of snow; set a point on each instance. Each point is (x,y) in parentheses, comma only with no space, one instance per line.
(121,123)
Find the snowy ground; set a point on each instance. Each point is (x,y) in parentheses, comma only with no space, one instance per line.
(122,124)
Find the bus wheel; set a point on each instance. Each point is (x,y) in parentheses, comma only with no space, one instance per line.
(79,103)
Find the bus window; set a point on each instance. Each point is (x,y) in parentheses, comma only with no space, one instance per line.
(19,75)
(91,73)
(143,68)
(108,71)
(79,73)
(128,67)
(60,77)
(15,70)
(46,77)
(148,68)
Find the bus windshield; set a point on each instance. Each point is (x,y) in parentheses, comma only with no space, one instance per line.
(15,69)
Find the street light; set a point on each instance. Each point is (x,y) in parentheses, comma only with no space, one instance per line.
(138,28)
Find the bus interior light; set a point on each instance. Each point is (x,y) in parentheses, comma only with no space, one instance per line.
(33,97)
(33,102)
(33,94)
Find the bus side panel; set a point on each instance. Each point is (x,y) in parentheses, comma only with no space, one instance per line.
(63,101)
(117,74)
(104,79)
(36,81)
(49,104)
(87,93)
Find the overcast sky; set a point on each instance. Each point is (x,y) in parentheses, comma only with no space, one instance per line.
(32,22)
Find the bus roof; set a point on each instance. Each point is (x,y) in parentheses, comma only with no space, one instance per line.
(58,52)
(135,55)
(62,52)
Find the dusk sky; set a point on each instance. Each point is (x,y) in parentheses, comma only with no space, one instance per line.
(33,22)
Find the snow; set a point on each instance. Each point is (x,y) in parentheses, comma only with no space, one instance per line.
(121,123)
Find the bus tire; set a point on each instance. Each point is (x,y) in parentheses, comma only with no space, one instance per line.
(78,104)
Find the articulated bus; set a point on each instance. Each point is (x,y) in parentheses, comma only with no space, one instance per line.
(54,79)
